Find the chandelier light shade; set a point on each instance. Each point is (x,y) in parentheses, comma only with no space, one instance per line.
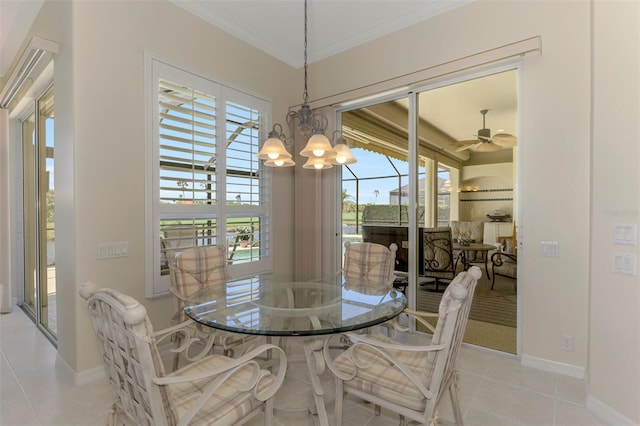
(273,148)
(317,163)
(280,162)
(318,145)
(322,155)
(342,150)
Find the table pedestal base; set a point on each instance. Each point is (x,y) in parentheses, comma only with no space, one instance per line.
(291,403)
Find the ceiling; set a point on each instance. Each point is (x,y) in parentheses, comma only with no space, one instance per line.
(277,27)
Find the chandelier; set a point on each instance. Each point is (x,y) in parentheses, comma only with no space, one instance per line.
(321,153)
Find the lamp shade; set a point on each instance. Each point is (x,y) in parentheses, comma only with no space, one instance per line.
(318,146)
(317,163)
(343,155)
(280,162)
(272,149)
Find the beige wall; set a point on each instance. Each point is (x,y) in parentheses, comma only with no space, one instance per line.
(100,141)
(614,338)
(554,164)
(555,84)
(100,124)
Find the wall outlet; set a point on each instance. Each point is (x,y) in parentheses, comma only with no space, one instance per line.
(566,343)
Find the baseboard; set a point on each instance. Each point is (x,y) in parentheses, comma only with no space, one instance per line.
(608,414)
(82,378)
(553,367)
(89,376)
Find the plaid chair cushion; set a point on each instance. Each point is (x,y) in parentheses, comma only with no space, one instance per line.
(200,267)
(371,261)
(384,380)
(196,268)
(227,406)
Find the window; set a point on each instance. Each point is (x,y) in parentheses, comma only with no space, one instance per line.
(207,186)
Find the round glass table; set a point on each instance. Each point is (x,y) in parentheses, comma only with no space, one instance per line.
(315,309)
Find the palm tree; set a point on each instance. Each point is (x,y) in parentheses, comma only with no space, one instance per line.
(182,184)
(346,200)
(376,193)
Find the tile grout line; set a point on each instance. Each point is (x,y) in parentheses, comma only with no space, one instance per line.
(19,383)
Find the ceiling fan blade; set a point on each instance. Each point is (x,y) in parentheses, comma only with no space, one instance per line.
(467,145)
(482,138)
(488,147)
(504,140)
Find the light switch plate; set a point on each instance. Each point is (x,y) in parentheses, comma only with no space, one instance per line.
(625,234)
(624,263)
(111,249)
(549,249)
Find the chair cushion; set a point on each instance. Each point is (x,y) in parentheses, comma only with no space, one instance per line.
(227,406)
(508,268)
(383,380)
(200,267)
(368,260)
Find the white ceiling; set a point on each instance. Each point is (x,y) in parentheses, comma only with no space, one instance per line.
(277,27)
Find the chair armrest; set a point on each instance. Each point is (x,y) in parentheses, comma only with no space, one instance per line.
(221,375)
(418,316)
(232,365)
(382,350)
(189,333)
(498,258)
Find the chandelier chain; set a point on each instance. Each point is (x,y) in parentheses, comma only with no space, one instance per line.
(306,92)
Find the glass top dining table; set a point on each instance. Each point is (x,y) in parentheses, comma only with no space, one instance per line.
(263,305)
(313,309)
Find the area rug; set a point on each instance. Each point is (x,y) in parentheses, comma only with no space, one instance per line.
(493,306)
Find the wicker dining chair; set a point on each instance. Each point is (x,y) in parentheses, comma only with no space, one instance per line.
(408,379)
(194,269)
(212,390)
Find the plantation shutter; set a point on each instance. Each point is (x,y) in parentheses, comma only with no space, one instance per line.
(207,185)
(187,144)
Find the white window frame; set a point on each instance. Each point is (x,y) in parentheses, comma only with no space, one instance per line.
(157,284)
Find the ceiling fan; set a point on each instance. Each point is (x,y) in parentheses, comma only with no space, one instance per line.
(485,142)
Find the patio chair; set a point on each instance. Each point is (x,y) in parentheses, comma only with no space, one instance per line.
(504,265)
(213,390)
(408,379)
(438,256)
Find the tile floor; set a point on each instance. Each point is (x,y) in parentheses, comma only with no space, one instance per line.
(495,390)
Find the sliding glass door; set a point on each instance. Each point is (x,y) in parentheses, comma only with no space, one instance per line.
(429,159)
(38,205)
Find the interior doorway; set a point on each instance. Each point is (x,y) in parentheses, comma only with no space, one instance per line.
(464,170)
